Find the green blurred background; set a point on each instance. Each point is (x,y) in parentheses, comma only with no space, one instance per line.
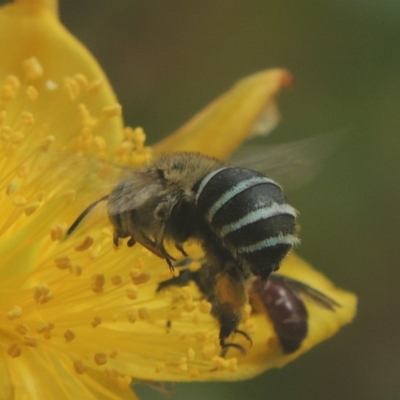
(168,58)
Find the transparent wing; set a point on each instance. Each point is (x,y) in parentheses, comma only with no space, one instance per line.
(309,292)
(290,164)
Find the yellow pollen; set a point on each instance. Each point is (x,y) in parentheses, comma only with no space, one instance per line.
(132,292)
(189,305)
(31,208)
(96,321)
(14,350)
(16,137)
(99,143)
(183,367)
(191,354)
(44,327)
(23,171)
(79,367)
(220,363)
(32,93)
(87,242)
(144,313)
(63,262)
(27,118)
(81,80)
(22,329)
(11,188)
(13,80)
(7,93)
(30,341)
(72,88)
(19,201)
(113,353)
(32,68)
(86,118)
(76,270)
(50,85)
(205,307)
(194,373)
(47,142)
(95,85)
(124,382)
(132,315)
(116,280)
(57,232)
(160,366)
(69,335)
(98,282)
(142,278)
(112,111)
(14,313)
(42,293)
(100,358)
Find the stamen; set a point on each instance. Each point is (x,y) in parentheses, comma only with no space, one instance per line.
(14,313)
(96,321)
(69,335)
(63,262)
(112,111)
(30,341)
(32,68)
(87,242)
(27,119)
(79,367)
(132,292)
(100,358)
(57,232)
(14,350)
(132,315)
(31,208)
(22,329)
(32,93)
(98,282)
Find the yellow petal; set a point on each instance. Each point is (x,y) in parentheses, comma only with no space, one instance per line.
(248,108)
(30,30)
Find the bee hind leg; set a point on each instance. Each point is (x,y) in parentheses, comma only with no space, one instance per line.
(181,249)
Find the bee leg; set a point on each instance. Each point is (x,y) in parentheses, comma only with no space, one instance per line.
(131,242)
(227,346)
(181,249)
(246,335)
(118,235)
(168,258)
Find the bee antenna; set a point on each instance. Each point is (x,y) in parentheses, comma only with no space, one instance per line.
(85,212)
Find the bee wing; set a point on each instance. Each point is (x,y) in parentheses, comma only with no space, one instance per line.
(134,190)
(290,164)
(309,292)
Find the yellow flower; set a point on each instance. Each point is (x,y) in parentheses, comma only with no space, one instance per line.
(79,319)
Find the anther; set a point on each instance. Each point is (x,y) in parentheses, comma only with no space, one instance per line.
(112,111)
(14,313)
(100,358)
(33,69)
(87,242)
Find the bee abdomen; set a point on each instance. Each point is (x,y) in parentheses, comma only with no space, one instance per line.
(250,214)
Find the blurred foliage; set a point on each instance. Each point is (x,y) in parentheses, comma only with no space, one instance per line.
(168,58)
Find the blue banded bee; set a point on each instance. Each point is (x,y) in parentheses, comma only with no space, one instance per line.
(279,296)
(240,217)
